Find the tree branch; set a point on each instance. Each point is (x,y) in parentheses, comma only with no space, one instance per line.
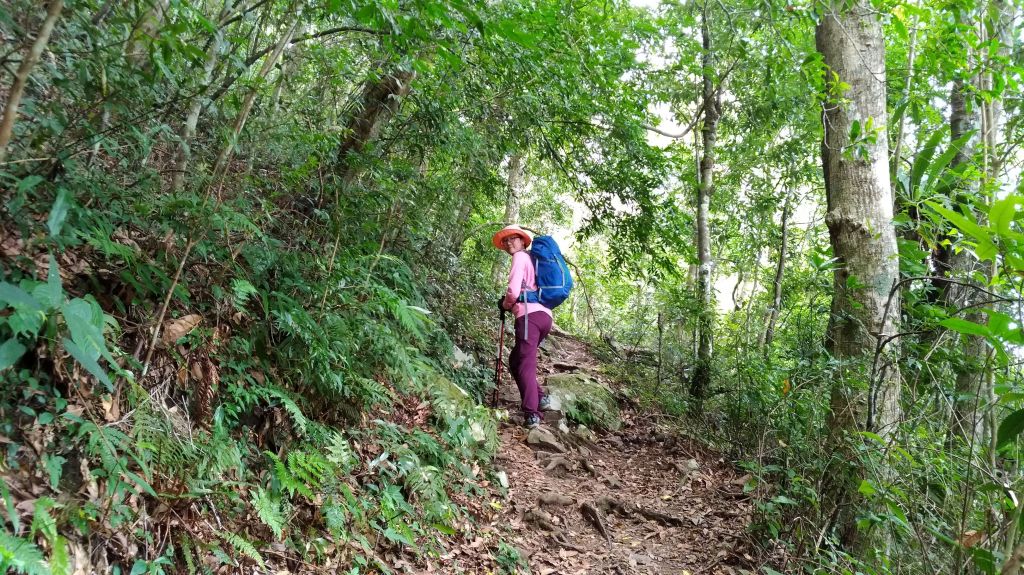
(700,109)
(252,59)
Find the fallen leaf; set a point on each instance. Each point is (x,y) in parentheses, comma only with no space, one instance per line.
(111,411)
(971,538)
(176,329)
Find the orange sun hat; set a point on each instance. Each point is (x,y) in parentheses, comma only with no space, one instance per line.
(513,230)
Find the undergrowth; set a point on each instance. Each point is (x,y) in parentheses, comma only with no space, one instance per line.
(290,402)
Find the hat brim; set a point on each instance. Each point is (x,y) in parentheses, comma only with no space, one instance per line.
(499,237)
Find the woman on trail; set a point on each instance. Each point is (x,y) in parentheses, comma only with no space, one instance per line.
(532,324)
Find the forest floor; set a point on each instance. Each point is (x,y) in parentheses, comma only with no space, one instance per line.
(665,504)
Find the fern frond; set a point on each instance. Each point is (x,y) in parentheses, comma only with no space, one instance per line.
(288,481)
(268,509)
(186,551)
(340,453)
(243,546)
(372,393)
(241,290)
(299,420)
(310,468)
(21,555)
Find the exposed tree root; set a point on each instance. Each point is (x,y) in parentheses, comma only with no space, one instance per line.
(560,540)
(627,509)
(554,499)
(612,481)
(593,514)
(558,465)
(542,518)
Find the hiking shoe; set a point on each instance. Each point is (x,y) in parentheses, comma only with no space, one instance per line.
(532,420)
(545,403)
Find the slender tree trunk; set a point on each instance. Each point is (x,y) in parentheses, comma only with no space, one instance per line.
(28,62)
(737,293)
(780,267)
(458,236)
(967,424)
(243,114)
(859,219)
(894,169)
(188,130)
(378,102)
(1001,15)
(661,355)
(148,28)
(288,64)
(709,133)
(516,171)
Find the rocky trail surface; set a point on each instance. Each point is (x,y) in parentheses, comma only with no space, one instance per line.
(638,499)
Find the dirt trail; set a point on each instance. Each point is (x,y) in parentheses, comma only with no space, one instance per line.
(666,505)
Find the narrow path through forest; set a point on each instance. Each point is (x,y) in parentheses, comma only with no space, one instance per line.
(664,504)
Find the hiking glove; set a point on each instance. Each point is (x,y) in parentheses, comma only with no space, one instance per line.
(501,304)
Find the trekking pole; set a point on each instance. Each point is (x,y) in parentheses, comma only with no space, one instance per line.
(497,362)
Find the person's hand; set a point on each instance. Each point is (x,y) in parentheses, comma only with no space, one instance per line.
(501,304)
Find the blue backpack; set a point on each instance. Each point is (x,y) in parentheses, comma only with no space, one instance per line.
(553,279)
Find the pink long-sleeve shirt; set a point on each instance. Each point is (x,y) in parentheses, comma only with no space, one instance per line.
(522,271)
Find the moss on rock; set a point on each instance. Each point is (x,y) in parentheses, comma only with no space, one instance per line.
(584,399)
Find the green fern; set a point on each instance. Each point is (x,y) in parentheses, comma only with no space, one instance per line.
(241,290)
(21,555)
(372,392)
(288,481)
(243,546)
(309,468)
(185,543)
(299,420)
(268,509)
(340,453)
(42,521)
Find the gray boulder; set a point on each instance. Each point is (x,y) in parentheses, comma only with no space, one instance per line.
(542,438)
(584,399)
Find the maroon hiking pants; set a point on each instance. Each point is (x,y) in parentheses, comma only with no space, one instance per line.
(523,359)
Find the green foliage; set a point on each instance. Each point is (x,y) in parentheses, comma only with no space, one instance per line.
(510,561)
(337,259)
(269,510)
(242,547)
(21,556)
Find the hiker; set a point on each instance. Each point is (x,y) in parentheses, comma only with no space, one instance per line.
(532,320)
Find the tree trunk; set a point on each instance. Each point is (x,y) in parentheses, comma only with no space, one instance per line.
(188,130)
(28,62)
(288,64)
(859,219)
(780,266)
(378,102)
(516,171)
(967,423)
(709,133)
(148,28)
(243,114)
